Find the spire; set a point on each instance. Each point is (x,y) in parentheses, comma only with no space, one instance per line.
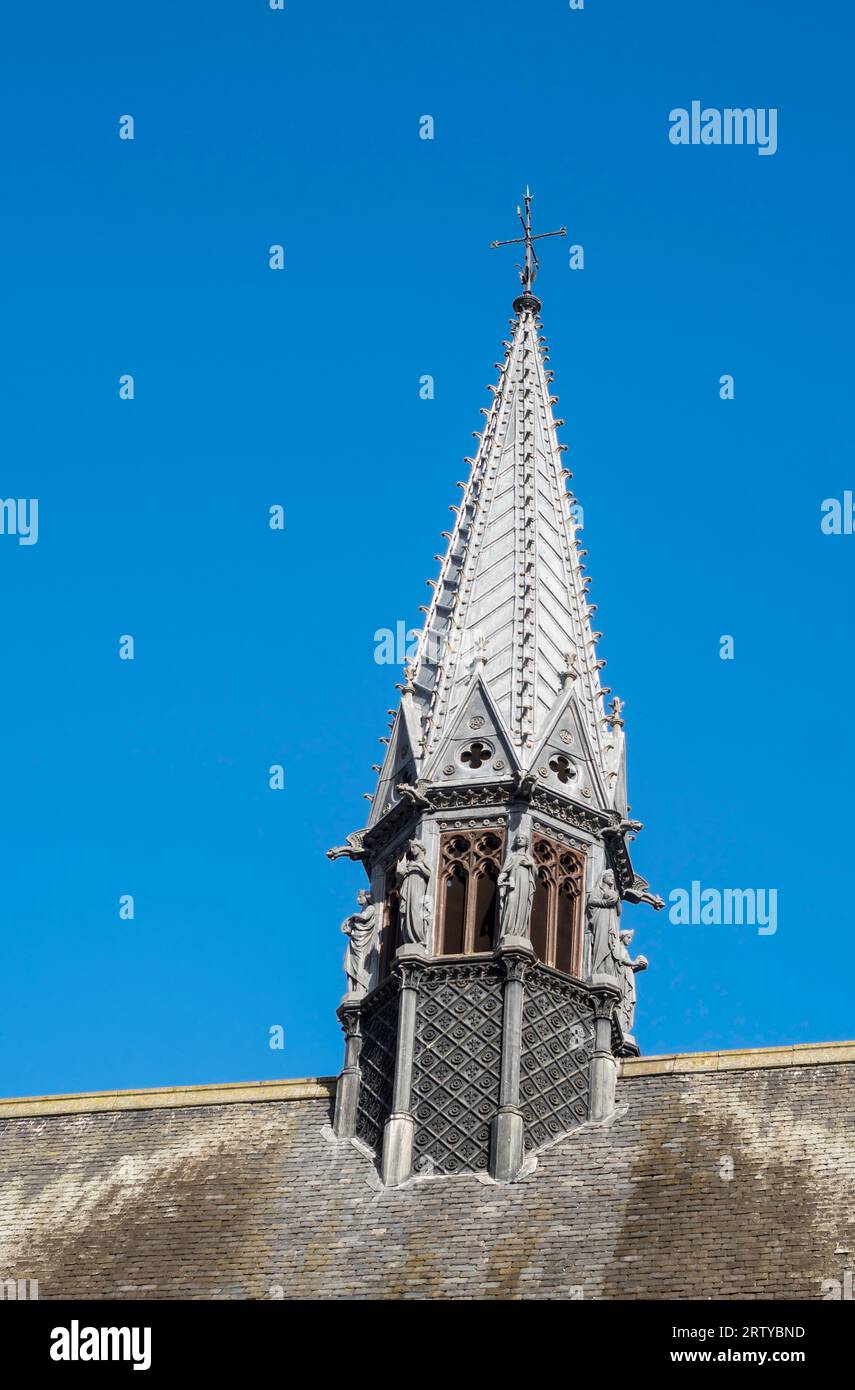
(510,607)
(496,846)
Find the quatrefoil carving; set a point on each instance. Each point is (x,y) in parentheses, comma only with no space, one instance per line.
(476,754)
(563,768)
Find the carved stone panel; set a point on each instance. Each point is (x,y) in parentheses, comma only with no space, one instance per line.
(377,1063)
(557,1043)
(552,805)
(458,1053)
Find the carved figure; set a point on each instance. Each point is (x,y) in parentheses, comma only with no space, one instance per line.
(516,885)
(603,908)
(413,885)
(627,970)
(360,927)
(352,849)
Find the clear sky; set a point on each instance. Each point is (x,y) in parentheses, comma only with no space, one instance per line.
(301,387)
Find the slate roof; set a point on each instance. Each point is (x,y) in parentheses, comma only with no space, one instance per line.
(722,1176)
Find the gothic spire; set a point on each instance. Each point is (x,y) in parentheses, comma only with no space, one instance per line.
(510,610)
(496,847)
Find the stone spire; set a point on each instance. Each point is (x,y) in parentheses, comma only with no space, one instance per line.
(509,613)
(490,989)
(511,598)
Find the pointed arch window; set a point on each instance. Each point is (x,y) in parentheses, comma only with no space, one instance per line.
(467,904)
(390,930)
(556,914)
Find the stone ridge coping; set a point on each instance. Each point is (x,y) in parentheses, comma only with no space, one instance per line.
(742,1059)
(323,1087)
(170,1097)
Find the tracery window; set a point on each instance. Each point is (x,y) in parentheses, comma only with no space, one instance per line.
(556,915)
(390,925)
(467,904)
(466,918)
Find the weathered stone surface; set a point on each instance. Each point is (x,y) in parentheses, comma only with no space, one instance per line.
(256,1199)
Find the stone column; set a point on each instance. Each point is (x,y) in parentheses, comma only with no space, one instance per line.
(397,1161)
(606,995)
(347,1087)
(507,1131)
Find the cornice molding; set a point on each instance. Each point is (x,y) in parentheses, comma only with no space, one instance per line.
(323,1087)
(740,1059)
(169,1097)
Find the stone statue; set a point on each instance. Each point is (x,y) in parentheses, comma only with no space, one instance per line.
(516,884)
(413,885)
(627,970)
(603,908)
(360,927)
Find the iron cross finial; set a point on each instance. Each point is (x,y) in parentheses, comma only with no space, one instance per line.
(528,271)
(614,714)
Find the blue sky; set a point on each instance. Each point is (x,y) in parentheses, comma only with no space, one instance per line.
(300,387)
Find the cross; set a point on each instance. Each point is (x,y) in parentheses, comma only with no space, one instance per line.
(529,270)
(613,715)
